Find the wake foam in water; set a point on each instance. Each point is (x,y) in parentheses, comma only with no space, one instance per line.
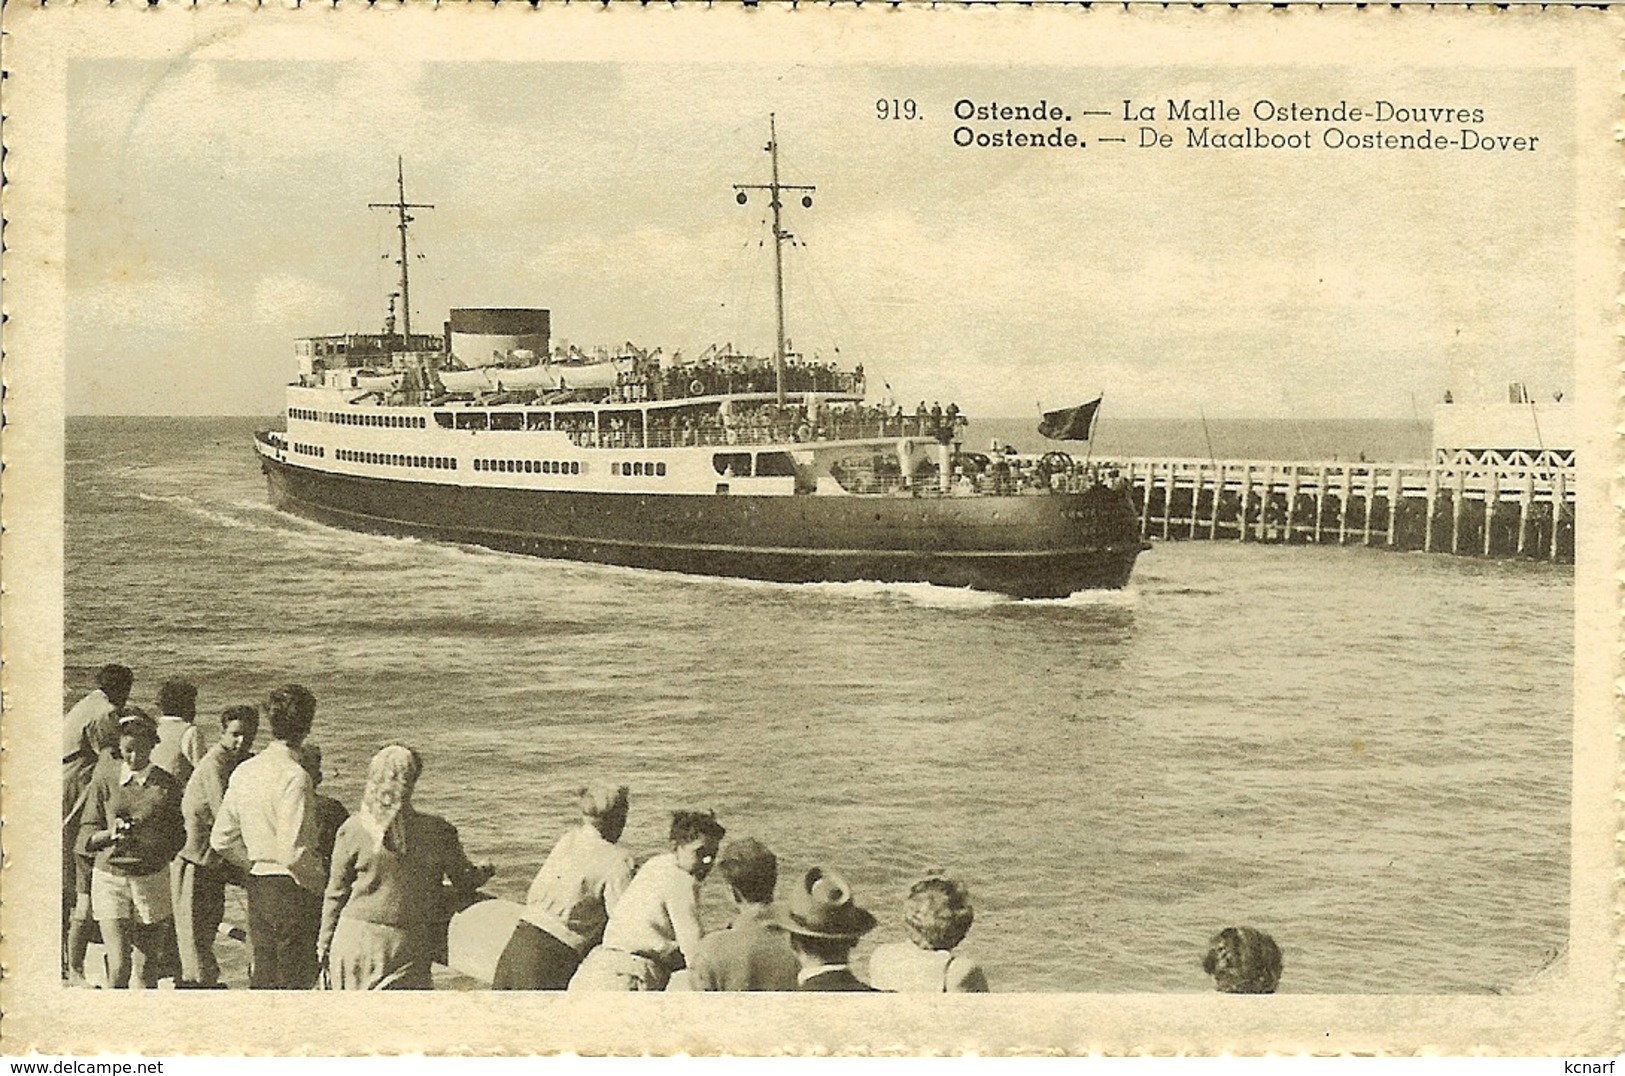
(923,594)
(929,595)
(212,512)
(254,517)
(1126,598)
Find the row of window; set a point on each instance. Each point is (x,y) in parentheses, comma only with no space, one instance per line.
(530,466)
(309,450)
(638,470)
(360,418)
(396,459)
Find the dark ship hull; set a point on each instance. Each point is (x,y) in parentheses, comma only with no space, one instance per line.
(1041,546)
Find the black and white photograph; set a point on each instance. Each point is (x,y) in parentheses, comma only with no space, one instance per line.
(781,501)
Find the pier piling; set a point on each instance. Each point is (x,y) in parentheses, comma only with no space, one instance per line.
(1246,503)
(1320,504)
(1370,499)
(1264,500)
(1432,509)
(1557,512)
(1168,499)
(1455,511)
(1196,502)
(1218,495)
(1343,507)
(1393,507)
(1291,505)
(1278,501)
(1149,484)
(1526,503)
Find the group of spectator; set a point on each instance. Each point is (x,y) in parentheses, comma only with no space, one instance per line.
(157,823)
(593,922)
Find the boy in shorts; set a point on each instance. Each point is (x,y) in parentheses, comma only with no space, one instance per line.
(132,825)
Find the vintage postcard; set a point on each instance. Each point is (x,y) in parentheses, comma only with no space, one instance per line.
(1106,513)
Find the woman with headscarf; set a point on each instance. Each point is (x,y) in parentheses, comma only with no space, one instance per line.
(1243,960)
(385,889)
(569,901)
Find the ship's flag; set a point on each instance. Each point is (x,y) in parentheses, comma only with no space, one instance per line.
(1070,423)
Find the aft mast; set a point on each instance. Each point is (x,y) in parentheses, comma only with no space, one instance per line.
(400,205)
(779,237)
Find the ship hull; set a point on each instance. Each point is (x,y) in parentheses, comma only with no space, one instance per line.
(1040,546)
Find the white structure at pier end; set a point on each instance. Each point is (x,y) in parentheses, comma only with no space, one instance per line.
(1518,433)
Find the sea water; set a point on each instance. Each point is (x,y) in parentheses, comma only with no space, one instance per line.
(1365,753)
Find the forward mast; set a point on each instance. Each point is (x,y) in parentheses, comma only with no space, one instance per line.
(775,189)
(400,205)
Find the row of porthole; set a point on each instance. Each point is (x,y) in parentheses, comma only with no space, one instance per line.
(638,470)
(396,459)
(530,466)
(309,450)
(400,422)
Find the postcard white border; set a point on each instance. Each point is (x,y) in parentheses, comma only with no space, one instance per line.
(1573,1012)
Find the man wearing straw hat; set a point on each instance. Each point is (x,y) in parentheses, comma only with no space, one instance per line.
(824,924)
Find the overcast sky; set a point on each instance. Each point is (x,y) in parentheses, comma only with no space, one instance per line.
(219,210)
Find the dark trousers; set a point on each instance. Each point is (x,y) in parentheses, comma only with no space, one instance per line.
(534,960)
(283,921)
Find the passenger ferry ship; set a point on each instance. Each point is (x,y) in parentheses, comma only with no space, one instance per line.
(729,465)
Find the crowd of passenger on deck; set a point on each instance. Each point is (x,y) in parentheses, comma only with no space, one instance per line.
(161,815)
(771,423)
(735,423)
(717,373)
(1004,472)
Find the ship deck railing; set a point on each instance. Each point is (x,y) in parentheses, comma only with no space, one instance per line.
(985,485)
(675,383)
(719,436)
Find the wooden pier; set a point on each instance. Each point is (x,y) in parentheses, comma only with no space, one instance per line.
(1469,509)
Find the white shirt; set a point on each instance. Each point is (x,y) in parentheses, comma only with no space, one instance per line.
(658,914)
(807,973)
(583,878)
(84,711)
(267,819)
(126,775)
(180,747)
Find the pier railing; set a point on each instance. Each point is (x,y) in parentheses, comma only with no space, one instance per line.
(1480,509)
